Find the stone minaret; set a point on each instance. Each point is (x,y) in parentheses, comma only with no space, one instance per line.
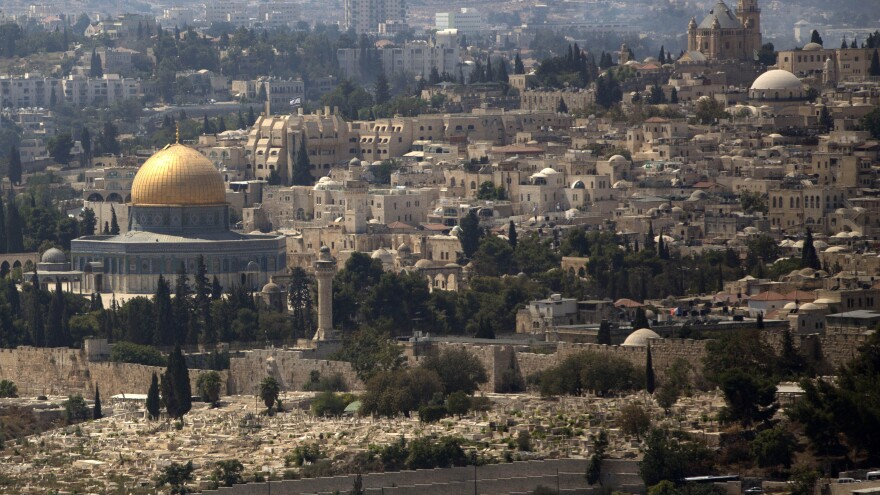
(325,269)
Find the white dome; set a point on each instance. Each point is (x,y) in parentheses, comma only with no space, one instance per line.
(790,306)
(640,337)
(777,80)
(812,47)
(618,159)
(808,307)
(548,171)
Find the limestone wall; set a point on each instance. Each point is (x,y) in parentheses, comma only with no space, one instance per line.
(62,371)
(291,368)
(517,477)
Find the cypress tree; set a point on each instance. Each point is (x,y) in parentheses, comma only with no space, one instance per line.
(2,228)
(164,317)
(216,289)
(518,67)
(176,389)
(154,405)
(262,96)
(604,335)
(106,230)
(202,324)
(14,236)
(114,222)
(511,235)
(562,107)
(875,64)
(97,414)
(14,171)
(649,372)
(302,174)
(809,257)
(207,128)
(37,327)
(252,118)
(95,69)
(180,306)
(649,239)
(55,329)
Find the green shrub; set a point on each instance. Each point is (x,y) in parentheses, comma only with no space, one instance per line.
(126,352)
(329,404)
(8,389)
(431,413)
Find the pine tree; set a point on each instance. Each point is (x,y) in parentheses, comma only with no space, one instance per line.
(106,230)
(207,128)
(176,388)
(302,168)
(252,118)
(14,236)
(518,67)
(511,235)
(14,170)
(114,222)
(262,96)
(649,372)
(97,414)
(815,37)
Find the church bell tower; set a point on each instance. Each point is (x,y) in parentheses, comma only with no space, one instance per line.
(749,14)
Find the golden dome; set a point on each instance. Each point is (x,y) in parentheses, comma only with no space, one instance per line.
(178,175)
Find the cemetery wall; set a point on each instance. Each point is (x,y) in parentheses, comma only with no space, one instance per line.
(511,478)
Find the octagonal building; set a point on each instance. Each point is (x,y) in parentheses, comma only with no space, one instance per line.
(178,211)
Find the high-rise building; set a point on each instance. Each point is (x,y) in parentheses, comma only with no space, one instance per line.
(467,21)
(364,16)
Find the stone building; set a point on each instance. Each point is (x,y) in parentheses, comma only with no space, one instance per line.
(727,35)
(178,212)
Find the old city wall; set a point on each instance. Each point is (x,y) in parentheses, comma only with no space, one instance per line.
(291,368)
(833,350)
(62,371)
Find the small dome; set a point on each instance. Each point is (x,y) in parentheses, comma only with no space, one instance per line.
(548,171)
(252,266)
(812,47)
(452,265)
(354,162)
(808,307)
(824,300)
(325,249)
(777,79)
(790,306)
(698,195)
(677,209)
(382,255)
(271,288)
(403,249)
(640,337)
(424,264)
(54,255)
(618,159)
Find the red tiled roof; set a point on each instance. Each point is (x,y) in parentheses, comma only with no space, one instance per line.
(657,120)
(437,227)
(801,296)
(399,225)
